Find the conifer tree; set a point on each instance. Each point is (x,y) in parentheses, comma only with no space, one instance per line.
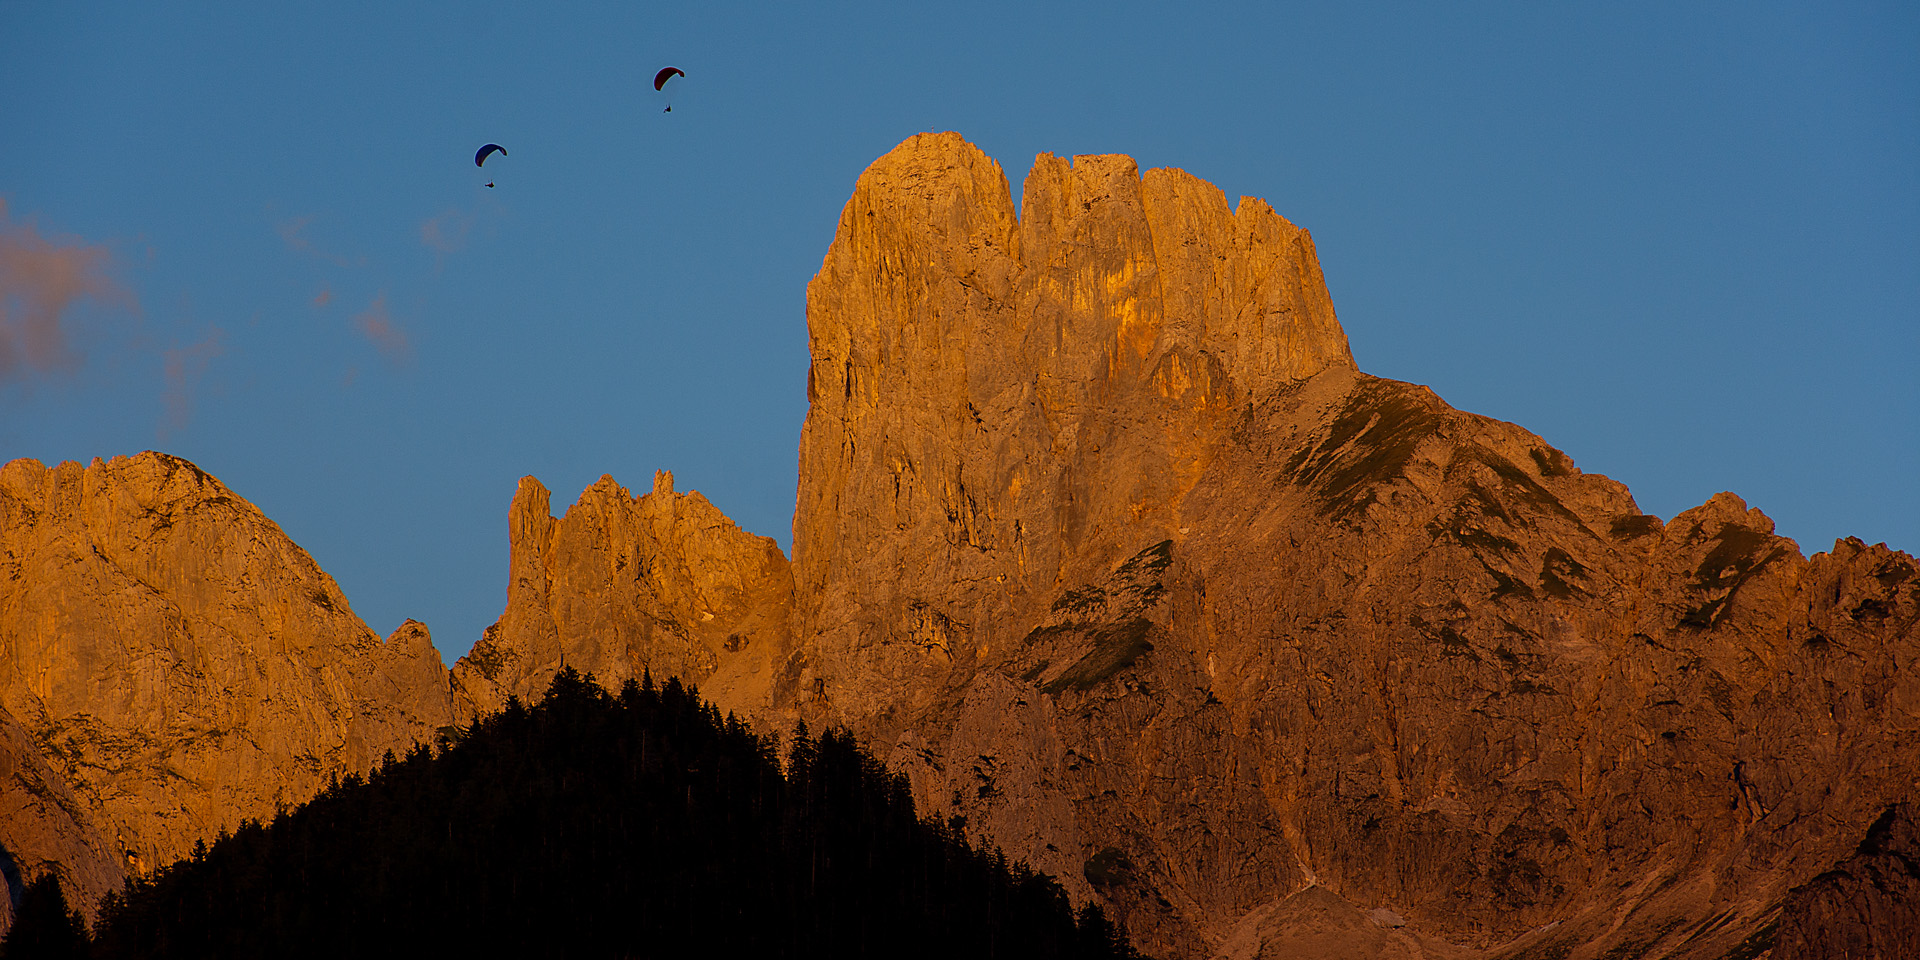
(590,825)
(45,928)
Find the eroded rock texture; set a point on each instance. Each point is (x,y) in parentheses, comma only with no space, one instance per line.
(994,401)
(179,664)
(44,827)
(1101,529)
(1104,541)
(621,585)
(1867,905)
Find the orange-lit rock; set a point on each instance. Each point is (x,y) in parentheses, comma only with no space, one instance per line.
(621,585)
(1103,537)
(179,662)
(998,405)
(44,827)
(1103,540)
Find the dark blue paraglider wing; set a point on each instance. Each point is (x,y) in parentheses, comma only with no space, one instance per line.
(481,157)
(666,73)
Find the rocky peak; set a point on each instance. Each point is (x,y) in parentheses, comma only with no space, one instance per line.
(1100,527)
(180,662)
(987,390)
(621,585)
(1104,542)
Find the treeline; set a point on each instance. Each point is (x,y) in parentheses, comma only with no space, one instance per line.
(594,825)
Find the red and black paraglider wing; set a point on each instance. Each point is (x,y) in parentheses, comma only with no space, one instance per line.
(666,73)
(491,148)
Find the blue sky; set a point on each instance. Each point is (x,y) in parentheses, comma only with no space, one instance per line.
(1681,241)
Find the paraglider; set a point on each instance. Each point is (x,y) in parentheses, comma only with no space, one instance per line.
(480,158)
(660,80)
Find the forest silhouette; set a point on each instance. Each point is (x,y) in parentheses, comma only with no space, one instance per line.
(641,824)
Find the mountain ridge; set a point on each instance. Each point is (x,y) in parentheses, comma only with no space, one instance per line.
(179,662)
(1103,540)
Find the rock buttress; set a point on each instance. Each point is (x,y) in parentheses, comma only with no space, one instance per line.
(998,403)
(623,585)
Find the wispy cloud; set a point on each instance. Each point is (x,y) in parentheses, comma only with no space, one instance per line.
(40,279)
(324,297)
(293,231)
(377,325)
(184,366)
(446,233)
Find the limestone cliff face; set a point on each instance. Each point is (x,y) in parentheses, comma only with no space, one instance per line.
(180,664)
(1103,540)
(620,585)
(45,828)
(993,398)
(1102,531)
(1412,657)
(1867,905)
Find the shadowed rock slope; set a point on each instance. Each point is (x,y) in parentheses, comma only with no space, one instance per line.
(1867,905)
(177,665)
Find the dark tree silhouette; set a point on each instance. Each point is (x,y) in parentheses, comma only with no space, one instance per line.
(45,928)
(600,825)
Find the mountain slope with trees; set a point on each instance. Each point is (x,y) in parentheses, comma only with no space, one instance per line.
(601,825)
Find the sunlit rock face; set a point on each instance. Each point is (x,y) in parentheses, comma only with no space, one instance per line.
(998,404)
(45,828)
(1100,529)
(181,665)
(1103,540)
(624,585)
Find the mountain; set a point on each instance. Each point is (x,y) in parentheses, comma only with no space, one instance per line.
(177,665)
(1103,539)
(624,583)
(1105,542)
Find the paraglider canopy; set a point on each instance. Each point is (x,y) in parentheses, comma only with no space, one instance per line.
(491,148)
(666,73)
